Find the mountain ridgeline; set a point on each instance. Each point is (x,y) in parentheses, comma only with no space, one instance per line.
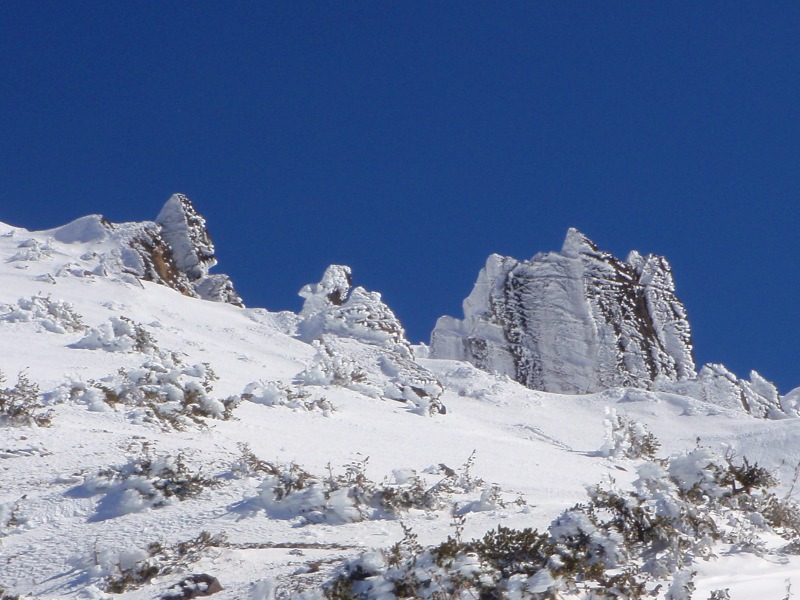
(576,321)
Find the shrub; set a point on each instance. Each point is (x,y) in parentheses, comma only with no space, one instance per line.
(626,438)
(145,481)
(162,391)
(276,393)
(290,492)
(11,519)
(56,316)
(4,595)
(330,367)
(620,544)
(119,334)
(127,571)
(32,250)
(374,371)
(21,405)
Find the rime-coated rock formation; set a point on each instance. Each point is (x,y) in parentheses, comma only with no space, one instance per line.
(333,307)
(361,344)
(175,250)
(574,321)
(581,320)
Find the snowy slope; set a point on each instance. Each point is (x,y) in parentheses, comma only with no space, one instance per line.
(114,356)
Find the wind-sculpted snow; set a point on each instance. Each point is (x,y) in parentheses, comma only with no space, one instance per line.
(361,344)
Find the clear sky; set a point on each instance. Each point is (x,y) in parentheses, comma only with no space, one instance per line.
(410,140)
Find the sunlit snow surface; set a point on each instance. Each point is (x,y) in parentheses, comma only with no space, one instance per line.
(538,446)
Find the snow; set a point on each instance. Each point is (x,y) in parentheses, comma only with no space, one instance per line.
(86,229)
(75,507)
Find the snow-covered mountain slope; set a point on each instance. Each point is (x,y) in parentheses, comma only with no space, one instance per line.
(175,250)
(135,416)
(581,320)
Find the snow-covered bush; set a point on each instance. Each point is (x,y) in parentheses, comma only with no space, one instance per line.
(11,518)
(145,481)
(373,371)
(621,544)
(626,438)
(162,391)
(4,595)
(277,393)
(291,492)
(31,250)
(21,405)
(119,334)
(329,367)
(56,316)
(122,571)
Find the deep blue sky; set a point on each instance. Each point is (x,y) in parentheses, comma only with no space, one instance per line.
(412,139)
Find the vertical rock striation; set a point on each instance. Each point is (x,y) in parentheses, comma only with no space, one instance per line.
(574,321)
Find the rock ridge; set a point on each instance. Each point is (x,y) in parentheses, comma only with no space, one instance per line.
(575,321)
(581,321)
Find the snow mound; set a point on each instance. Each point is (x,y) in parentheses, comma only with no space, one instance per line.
(91,228)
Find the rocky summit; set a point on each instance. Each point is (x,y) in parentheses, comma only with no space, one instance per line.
(581,321)
(574,321)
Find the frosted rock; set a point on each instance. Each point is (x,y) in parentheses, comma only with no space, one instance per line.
(332,289)
(717,385)
(761,397)
(185,231)
(574,321)
(175,251)
(361,344)
(331,307)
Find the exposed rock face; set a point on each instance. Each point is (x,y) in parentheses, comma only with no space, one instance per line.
(574,321)
(175,250)
(185,232)
(192,252)
(581,320)
(361,344)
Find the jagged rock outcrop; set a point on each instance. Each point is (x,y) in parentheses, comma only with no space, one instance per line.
(175,250)
(361,344)
(332,306)
(581,320)
(574,321)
